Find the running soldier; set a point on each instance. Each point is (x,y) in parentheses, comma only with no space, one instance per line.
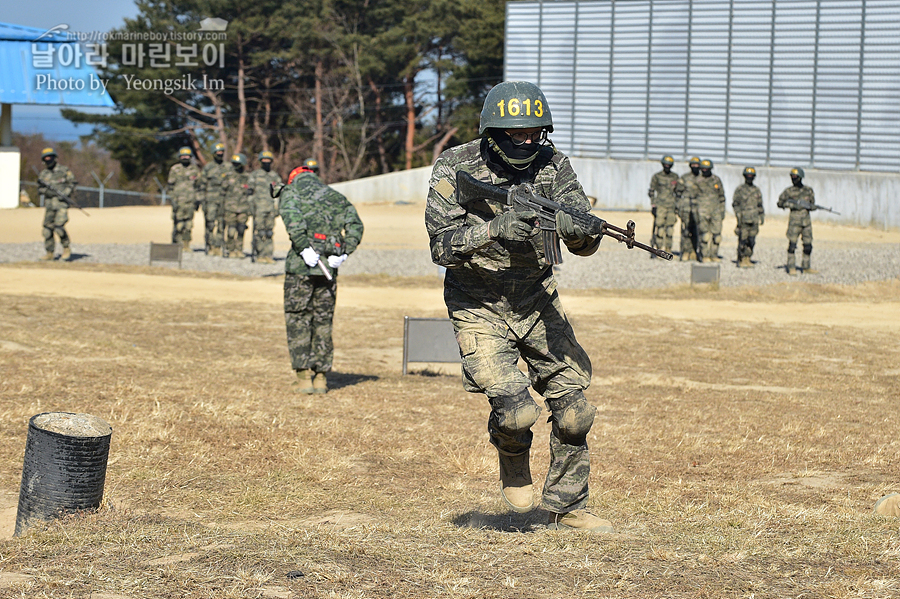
(56,210)
(502,300)
(686,194)
(236,191)
(801,200)
(748,208)
(213,202)
(662,197)
(711,210)
(184,182)
(325,224)
(263,208)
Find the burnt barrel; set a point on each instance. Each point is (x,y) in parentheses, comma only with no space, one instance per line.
(65,466)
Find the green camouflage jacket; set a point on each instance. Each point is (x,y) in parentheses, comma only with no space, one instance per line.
(802,193)
(262,200)
(687,190)
(663,186)
(183,182)
(236,191)
(210,186)
(712,192)
(320,217)
(61,178)
(747,203)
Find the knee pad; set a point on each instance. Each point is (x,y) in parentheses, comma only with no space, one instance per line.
(240,228)
(269,234)
(573,417)
(807,249)
(513,414)
(792,246)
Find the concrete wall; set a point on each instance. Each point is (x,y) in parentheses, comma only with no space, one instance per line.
(863,198)
(9,176)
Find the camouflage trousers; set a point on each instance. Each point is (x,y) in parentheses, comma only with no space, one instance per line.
(182,221)
(263,229)
(308,315)
(709,226)
(213,216)
(55,223)
(664,223)
(235,226)
(746,234)
(558,368)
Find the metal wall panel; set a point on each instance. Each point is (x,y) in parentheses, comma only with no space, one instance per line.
(787,83)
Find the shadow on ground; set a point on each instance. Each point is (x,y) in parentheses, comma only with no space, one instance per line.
(510,522)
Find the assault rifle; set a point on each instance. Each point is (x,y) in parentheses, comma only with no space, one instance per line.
(56,192)
(807,206)
(523,197)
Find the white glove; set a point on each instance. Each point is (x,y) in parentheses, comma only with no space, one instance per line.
(310,256)
(335,261)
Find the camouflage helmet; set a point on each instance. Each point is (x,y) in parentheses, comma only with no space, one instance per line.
(47,152)
(694,160)
(515,105)
(184,151)
(265,155)
(219,147)
(667,161)
(797,172)
(706,164)
(239,158)
(312,164)
(749,172)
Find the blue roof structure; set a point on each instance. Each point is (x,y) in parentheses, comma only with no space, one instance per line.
(47,67)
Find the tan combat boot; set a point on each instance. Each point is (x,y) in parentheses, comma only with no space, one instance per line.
(579,520)
(889,505)
(304,382)
(320,384)
(515,482)
(67,253)
(47,256)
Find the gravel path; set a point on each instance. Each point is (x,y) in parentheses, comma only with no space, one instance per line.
(613,267)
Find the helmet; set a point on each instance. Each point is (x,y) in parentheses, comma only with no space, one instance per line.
(239,159)
(797,171)
(694,160)
(515,105)
(749,172)
(311,164)
(184,151)
(219,147)
(297,171)
(47,152)
(667,161)
(265,155)
(706,163)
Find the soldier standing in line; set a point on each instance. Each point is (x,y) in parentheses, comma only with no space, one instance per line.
(236,191)
(56,210)
(686,194)
(502,300)
(801,200)
(184,181)
(748,208)
(662,195)
(711,210)
(325,224)
(213,203)
(263,208)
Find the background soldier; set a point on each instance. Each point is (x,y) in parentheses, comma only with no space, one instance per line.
(662,196)
(322,221)
(686,194)
(501,297)
(799,222)
(184,181)
(711,210)
(56,210)
(236,191)
(748,209)
(213,202)
(263,208)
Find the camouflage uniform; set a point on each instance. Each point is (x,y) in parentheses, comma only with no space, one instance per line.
(183,184)
(316,216)
(210,189)
(663,187)
(799,223)
(236,192)
(748,209)
(56,211)
(711,213)
(687,191)
(503,302)
(263,210)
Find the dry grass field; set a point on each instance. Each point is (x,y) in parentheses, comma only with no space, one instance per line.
(738,448)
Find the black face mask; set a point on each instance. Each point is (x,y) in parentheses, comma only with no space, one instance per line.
(518,156)
(266,166)
(695,170)
(185,161)
(219,156)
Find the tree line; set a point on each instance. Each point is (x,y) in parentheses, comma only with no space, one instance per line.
(363,86)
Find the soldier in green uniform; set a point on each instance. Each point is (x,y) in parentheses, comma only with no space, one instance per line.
(799,221)
(184,181)
(237,191)
(662,196)
(502,300)
(324,229)
(263,208)
(213,203)
(711,211)
(56,210)
(748,208)
(686,194)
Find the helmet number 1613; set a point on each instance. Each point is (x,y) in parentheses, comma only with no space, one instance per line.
(514,107)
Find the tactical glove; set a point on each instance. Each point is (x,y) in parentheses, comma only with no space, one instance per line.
(336,261)
(568,231)
(310,256)
(513,225)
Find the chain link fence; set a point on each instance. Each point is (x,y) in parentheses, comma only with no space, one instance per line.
(98,197)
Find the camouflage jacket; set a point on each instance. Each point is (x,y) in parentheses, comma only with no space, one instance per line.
(802,193)
(663,187)
(62,179)
(262,200)
(183,183)
(712,192)
(747,203)
(509,278)
(320,217)
(686,190)
(236,191)
(210,186)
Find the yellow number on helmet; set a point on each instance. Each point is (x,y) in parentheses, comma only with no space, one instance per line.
(514,107)
(538,108)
